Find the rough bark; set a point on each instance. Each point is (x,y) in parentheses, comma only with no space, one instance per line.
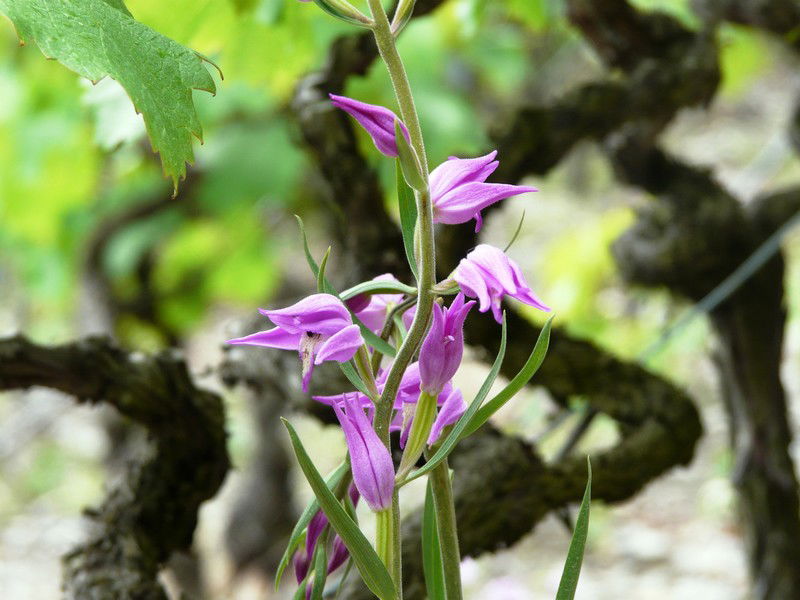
(152,513)
(668,246)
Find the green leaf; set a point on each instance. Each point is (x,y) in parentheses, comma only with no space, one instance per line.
(378,287)
(311,509)
(326,287)
(407,158)
(366,559)
(450,442)
(408,218)
(369,335)
(352,376)
(572,567)
(432,566)
(99,38)
(321,272)
(516,232)
(515,385)
(320,568)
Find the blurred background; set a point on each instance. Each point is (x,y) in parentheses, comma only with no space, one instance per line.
(92,243)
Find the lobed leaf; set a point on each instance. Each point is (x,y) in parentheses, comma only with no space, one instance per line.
(100,38)
(372,570)
(520,380)
(572,566)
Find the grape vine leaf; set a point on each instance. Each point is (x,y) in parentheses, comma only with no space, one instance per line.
(100,38)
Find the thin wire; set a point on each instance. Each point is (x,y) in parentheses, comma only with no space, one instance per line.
(725,288)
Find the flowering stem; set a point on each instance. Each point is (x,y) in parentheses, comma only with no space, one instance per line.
(427,259)
(385,534)
(448,533)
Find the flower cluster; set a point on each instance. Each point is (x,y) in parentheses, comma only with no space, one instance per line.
(322,327)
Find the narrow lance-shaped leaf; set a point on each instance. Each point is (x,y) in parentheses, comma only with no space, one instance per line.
(321,272)
(366,559)
(452,439)
(368,335)
(572,567)
(515,385)
(100,38)
(296,538)
(431,553)
(320,567)
(408,218)
(378,287)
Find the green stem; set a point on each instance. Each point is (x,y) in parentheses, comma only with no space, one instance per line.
(426,262)
(448,532)
(385,535)
(397,72)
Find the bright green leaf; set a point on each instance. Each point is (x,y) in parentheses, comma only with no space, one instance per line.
(99,38)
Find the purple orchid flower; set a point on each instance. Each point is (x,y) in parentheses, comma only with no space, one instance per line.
(459,191)
(371,463)
(450,411)
(319,327)
(488,274)
(373,309)
(377,120)
(441,351)
(450,401)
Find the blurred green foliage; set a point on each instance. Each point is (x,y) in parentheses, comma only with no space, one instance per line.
(73,156)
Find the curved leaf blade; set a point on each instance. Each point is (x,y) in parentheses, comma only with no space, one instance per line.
(408,217)
(432,566)
(572,566)
(305,518)
(366,559)
(520,380)
(378,287)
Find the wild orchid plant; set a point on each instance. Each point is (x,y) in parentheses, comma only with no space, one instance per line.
(400,348)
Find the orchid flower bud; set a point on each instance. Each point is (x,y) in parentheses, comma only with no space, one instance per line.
(441,351)
(379,122)
(371,463)
(488,274)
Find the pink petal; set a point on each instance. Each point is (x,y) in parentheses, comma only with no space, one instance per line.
(272,338)
(341,346)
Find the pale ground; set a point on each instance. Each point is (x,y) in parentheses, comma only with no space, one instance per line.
(676,540)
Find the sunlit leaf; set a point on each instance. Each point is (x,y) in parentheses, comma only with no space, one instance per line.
(97,38)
